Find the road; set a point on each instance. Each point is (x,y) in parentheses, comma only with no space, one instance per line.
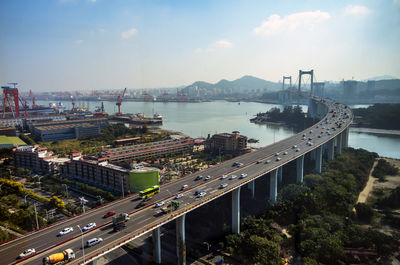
(142,220)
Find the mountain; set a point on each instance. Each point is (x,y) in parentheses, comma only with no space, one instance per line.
(382,77)
(241,85)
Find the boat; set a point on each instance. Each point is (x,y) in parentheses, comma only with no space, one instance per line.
(158,117)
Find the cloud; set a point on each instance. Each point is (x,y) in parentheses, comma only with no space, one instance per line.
(302,20)
(219,44)
(356,10)
(78,41)
(222,44)
(129,33)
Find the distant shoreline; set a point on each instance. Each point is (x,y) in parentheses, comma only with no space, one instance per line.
(375,131)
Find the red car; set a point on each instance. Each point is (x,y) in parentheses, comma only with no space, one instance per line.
(111,213)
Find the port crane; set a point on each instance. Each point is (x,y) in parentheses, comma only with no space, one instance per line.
(32,96)
(10,94)
(119,102)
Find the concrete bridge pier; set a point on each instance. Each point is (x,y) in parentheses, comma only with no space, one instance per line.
(331,147)
(339,144)
(318,160)
(251,186)
(299,169)
(180,240)
(345,138)
(156,245)
(236,211)
(312,155)
(273,188)
(280,169)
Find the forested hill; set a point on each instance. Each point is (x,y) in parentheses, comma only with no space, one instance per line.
(380,116)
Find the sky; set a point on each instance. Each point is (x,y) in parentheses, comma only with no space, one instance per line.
(60,45)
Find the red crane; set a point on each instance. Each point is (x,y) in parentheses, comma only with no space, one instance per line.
(119,102)
(32,96)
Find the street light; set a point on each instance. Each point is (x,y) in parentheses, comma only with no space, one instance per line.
(208,245)
(37,223)
(83,247)
(100,199)
(39,177)
(25,197)
(66,189)
(122,186)
(83,201)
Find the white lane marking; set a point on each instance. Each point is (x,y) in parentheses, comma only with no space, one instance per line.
(143,221)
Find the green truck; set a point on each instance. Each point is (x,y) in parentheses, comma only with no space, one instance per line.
(171,207)
(119,221)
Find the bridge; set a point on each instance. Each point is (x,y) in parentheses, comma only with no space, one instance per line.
(329,136)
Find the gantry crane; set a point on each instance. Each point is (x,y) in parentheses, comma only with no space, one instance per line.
(119,102)
(32,96)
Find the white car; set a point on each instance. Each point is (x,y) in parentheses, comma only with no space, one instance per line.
(233,177)
(94,241)
(159,204)
(276,154)
(285,153)
(309,143)
(202,194)
(88,226)
(207,178)
(27,253)
(297,149)
(266,162)
(243,176)
(65,231)
(224,185)
(224,176)
(278,159)
(178,196)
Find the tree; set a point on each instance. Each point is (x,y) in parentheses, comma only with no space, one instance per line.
(56,202)
(364,212)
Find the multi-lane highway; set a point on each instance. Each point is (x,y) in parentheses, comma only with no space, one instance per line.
(146,218)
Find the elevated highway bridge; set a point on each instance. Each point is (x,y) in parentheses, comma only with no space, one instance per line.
(328,136)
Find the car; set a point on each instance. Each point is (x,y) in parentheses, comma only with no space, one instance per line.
(202,194)
(278,159)
(285,153)
(198,177)
(88,226)
(233,177)
(311,132)
(65,231)
(266,162)
(239,164)
(159,204)
(258,162)
(184,187)
(27,253)
(304,134)
(197,192)
(319,136)
(304,138)
(310,138)
(207,178)
(242,176)
(223,185)
(235,164)
(294,146)
(94,241)
(309,143)
(297,149)
(178,196)
(110,213)
(141,204)
(224,176)
(276,154)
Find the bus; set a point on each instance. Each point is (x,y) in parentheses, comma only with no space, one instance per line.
(149,192)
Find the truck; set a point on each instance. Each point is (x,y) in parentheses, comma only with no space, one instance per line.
(119,221)
(59,258)
(171,207)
